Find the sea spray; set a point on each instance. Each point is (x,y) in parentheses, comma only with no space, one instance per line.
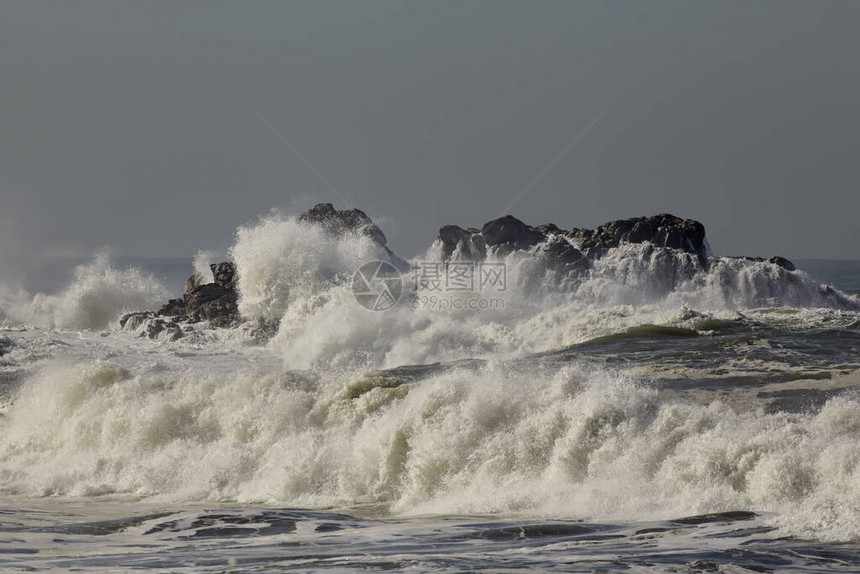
(97,294)
(297,273)
(576,443)
(283,261)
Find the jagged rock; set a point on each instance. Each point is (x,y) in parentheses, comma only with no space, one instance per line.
(6,345)
(665,230)
(782,262)
(173,307)
(216,302)
(507,234)
(224,274)
(132,321)
(210,301)
(343,221)
(195,280)
(152,326)
(569,253)
(561,256)
(340,222)
(550,229)
(470,241)
(156,328)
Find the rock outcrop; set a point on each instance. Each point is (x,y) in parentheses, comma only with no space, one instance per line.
(6,345)
(507,234)
(674,247)
(470,243)
(341,222)
(664,230)
(216,301)
(571,253)
(154,327)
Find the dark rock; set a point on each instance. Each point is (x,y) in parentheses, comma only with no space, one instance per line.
(132,321)
(216,302)
(782,262)
(664,230)
(470,242)
(194,281)
(550,229)
(339,223)
(155,329)
(6,345)
(507,234)
(561,256)
(344,221)
(173,307)
(152,326)
(265,329)
(210,301)
(224,274)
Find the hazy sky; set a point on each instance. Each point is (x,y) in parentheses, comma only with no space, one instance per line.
(138,125)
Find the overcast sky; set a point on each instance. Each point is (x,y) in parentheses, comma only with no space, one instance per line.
(150,127)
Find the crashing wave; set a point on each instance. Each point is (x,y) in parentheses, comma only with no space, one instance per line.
(290,283)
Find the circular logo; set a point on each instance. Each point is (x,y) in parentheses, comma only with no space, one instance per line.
(377,286)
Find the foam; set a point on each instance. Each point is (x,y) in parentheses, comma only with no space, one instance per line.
(96,295)
(296,273)
(283,262)
(571,443)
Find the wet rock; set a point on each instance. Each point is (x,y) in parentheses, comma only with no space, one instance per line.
(216,302)
(563,257)
(212,301)
(469,241)
(507,234)
(264,329)
(550,229)
(173,307)
(224,274)
(341,222)
(6,345)
(133,321)
(782,262)
(195,280)
(344,221)
(152,326)
(664,230)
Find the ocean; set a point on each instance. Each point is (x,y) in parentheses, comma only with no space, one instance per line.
(640,419)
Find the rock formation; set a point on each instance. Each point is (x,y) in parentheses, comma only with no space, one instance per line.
(569,254)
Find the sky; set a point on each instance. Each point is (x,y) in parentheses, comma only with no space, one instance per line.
(157,128)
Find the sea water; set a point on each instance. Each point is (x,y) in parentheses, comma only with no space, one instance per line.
(641,420)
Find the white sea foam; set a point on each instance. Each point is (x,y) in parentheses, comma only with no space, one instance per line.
(574,443)
(207,418)
(97,294)
(284,262)
(297,273)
